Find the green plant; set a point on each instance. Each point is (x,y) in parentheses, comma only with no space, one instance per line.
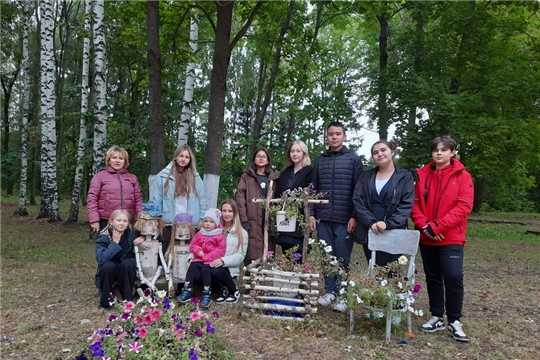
(385,287)
(151,328)
(291,202)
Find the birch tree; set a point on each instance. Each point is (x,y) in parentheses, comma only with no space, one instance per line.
(100,87)
(21,209)
(49,194)
(185,120)
(83,133)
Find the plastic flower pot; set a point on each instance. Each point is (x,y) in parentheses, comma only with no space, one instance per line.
(283,224)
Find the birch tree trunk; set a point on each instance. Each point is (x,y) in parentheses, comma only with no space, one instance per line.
(83,133)
(21,209)
(100,87)
(185,120)
(49,195)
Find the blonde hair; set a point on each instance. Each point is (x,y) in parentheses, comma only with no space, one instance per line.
(236,222)
(306,160)
(113,216)
(119,149)
(184,182)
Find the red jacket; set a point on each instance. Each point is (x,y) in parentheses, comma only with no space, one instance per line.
(213,247)
(443,199)
(110,190)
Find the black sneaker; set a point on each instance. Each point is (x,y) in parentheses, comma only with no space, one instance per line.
(434,324)
(455,329)
(233,298)
(223,294)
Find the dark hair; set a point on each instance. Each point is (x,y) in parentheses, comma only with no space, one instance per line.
(336,124)
(446,140)
(268,166)
(391,145)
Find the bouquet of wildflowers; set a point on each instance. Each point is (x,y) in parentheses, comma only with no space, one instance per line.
(319,260)
(152,329)
(385,287)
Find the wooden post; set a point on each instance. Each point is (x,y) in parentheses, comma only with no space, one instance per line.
(307,229)
(269,195)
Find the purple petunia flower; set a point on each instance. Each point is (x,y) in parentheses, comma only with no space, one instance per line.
(97,350)
(81,357)
(147,292)
(166,304)
(192,355)
(112,318)
(108,332)
(297,256)
(416,288)
(197,333)
(126,316)
(216,314)
(209,328)
(194,300)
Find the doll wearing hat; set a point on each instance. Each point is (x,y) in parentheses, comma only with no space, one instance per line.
(207,245)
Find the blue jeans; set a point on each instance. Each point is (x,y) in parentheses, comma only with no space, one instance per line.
(336,235)
(443,266)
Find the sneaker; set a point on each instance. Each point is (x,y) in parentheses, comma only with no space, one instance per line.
(206,300)
(233,298)
(223,294)
(340,306)
(327,299)
(456,331)
(434,324)
(185,296)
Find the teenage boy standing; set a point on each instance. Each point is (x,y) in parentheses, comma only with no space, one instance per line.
(335,172)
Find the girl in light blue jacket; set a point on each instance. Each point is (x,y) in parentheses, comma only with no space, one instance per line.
(178,189)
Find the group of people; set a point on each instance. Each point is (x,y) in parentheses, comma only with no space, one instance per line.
(438,201)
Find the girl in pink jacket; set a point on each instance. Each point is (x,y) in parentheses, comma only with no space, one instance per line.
(207,245)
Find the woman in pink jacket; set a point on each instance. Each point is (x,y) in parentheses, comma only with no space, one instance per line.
(443,200)
(113,188)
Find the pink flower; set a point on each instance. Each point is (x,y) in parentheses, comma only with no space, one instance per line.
(119,329)
(195,316)
(180,333)
(135,347)
(143,331)
(121,336)
(306,269)
(129,306)
(138,320)
(416,288)
(269,254)
(155,314)
(105,358)
(148,319)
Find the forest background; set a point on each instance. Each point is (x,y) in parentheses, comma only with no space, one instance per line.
(229,76)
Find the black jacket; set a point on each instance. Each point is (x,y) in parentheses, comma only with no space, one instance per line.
(301,180)
(336,172)
(398,203)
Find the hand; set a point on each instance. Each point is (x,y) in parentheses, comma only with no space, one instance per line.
(312,223)
(351,225)
(117,235)
(138,241)
(200,254)
(199,226)
(217,263)
(95,226)
(378,227)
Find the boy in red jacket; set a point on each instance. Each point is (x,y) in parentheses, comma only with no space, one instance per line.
(443,200)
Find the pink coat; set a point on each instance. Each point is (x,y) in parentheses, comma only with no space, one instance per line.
(110,190)
(213,247)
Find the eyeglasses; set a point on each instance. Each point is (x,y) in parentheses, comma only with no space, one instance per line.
(262,157)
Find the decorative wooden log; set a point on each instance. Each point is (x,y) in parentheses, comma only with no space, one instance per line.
(271,289)
(276,307)
(280,298)
(285,273)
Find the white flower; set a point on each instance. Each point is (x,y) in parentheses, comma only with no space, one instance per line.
(384,282)
(400,285)
(322,242)
(328,249)
(161,294)
(388,293)
(420,313)
(342,291)
(403,260)
(358,300)
(343,283)
(378,314)
(352,283)
(311,241)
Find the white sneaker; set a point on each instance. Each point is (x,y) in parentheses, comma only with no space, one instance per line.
(340,306)
(455,330)
(327,299)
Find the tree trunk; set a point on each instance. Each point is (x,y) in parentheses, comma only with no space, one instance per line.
(185,120)
(21,209)
(7,87)
(157,147)
(479,194)
(382,86)
(83,133)
(49,196)
(100,88)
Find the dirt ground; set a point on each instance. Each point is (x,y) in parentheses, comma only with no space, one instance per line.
(49,305)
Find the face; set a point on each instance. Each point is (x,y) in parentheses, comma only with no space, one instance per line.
(120,223)
(117,161)
(296,154)
(335,137)
(209,224)
(261,160)
(227,214)
(382,154)
(183,159)
(442,155)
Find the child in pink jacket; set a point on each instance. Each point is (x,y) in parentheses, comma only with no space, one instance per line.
(207,245)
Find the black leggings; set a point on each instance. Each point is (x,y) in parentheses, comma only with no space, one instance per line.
(195,269)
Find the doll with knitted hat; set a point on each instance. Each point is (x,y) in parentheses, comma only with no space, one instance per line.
(207,245)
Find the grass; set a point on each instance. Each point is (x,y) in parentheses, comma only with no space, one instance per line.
(47,288)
